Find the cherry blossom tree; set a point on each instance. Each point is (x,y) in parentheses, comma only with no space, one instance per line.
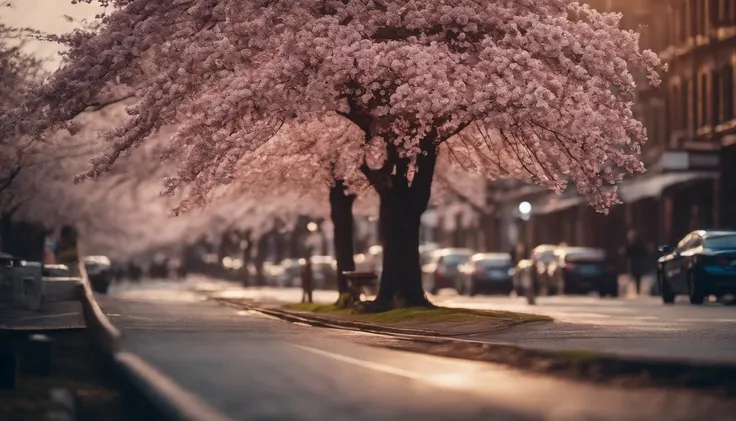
(539,90)
(18,73)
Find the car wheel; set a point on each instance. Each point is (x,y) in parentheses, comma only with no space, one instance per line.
(472,291)
(667,296)
(696,291)
(460,287)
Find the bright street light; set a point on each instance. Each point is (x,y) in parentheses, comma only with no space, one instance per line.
(525,208)
(312,227)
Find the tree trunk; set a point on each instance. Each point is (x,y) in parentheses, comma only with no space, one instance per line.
(401,208)
(401,278)
(247,257)
(261,252)
(341,211)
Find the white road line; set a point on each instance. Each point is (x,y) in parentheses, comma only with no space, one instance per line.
(367,364)
(49,316)
(707,320)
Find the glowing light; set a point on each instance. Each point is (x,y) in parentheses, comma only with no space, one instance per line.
(525,208)
(312,227)
(227,262)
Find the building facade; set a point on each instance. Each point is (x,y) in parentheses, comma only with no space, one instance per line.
(691,153)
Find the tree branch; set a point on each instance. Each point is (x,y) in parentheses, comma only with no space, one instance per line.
(9,180)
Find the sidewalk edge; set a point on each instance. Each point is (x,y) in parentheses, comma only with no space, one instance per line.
(166,396)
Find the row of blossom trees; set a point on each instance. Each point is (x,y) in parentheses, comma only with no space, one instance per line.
(359,95)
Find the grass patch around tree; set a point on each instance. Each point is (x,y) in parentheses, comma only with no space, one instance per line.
(417,315)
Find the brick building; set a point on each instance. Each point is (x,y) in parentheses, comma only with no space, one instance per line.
(691,153)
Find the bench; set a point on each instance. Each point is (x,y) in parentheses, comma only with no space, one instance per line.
(361,283)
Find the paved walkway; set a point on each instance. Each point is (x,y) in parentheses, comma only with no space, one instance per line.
(53,316)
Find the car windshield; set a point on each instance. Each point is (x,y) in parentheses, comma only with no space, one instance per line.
(495,263)
(587,255)
(546,256)
(455,259)
(721,242)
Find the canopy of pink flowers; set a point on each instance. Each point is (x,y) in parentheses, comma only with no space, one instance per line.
(540,90)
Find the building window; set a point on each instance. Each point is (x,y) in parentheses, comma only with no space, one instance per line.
(684,103)
(692,10)
(682,25)
(703,101)
(716,97)
(694,103)
(727,92)
(725,11)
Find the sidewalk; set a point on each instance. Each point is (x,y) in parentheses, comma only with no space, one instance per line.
(53,316)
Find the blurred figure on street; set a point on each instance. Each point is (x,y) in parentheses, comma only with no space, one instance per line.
(307,279)
(135,273)
(49,252)
(636,254)
(517,253)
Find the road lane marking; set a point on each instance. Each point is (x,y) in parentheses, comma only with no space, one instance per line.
(447,380)
(707,320)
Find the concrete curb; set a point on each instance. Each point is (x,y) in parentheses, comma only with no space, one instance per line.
(105,332)
(582,364)
(163,398)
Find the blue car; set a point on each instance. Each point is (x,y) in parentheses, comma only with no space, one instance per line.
(702,264)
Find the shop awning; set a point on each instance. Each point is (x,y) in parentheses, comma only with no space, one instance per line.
(653,186)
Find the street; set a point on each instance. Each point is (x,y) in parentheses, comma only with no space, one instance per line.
(254,367)
(632,325)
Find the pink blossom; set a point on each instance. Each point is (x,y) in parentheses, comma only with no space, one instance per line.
(541,89)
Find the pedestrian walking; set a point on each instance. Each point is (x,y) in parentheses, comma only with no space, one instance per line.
(307,280)
(636,254)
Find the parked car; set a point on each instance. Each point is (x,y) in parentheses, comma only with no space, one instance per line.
(487,273)
(541,257)
(290,275)
(99,272)
(271,273)
(324,269)
(582,270)
(443,269)
(702,264)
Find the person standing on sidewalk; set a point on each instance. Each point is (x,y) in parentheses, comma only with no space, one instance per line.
(636,254)
(307,279)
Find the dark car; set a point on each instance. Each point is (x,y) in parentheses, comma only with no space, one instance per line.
(487,273)
(443,270)
(582,270)
(702,264)
(99,272)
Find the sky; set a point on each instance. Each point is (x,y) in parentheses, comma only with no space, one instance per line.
(48,16)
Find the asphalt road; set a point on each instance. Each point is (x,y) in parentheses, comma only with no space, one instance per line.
(630,325)
(252,367)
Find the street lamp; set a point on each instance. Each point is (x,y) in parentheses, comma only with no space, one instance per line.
(525,209)
(312,227)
